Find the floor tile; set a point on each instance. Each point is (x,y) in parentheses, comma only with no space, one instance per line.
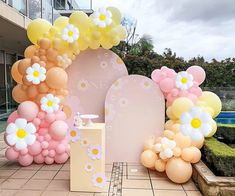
(28,193)
(36,184)
(32,167)
(85,194)
(169,193)
(66,167)
(137,192)
(166,184)
(59,185)
(24,174)
(13,183)
(47,175)
(55,193)
(7,192)
(62,175)
(6,173)
(108,168)
(193,193)
(101,194)
(54,167)
(190,186)
(137,177)
(1,181)
(140,184)
(137,171)
(157,175)
(11,165)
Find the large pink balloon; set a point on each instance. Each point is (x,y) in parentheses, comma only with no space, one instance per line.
(25,160)
(12,117)
(28,110)
(198,73)
(35,148)
(58,129)
(11,154)
(166,84)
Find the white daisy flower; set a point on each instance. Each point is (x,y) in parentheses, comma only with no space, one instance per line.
(99,180)
(70,33)
(102,17)
(196,123)
(165,147)
(89,167)
(20,133)
(84,142)
(94,152)
(63,61)
(36,73)
(50,103)
(73,134)
(184,80)
(109,112)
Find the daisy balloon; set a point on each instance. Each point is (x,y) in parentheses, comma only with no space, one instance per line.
(196,123)
(102,17)
(36,73)
(165,148)
(70,33)
(50,103)
(183,80)
(20,133)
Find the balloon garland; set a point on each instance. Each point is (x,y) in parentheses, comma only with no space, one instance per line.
(37,131)
(190,112)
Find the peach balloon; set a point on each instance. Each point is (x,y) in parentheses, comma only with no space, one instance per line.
(160,165)
(67,110)
(182,141)
(23,65)
(43,88)
(44,43)
(187,154)
(196,155)
(168,124)
(169,134)
(35,59)
(15,73)
(148,144)
(56,78)
(52,54)
(198,143)
(29,51)
(148,158)
(178,170)
(175,128)
(32,92)
(28,110)
(18,94)
(177,151)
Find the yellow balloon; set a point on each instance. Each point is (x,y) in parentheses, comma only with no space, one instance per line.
(181,105)
(212,101)
(61,22)
(79,19)
(94,44)
(121,32)
(37,28)
(170,114)
(214,129)
(116,14)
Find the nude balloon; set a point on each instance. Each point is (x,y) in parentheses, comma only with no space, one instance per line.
(148,158)
(18,94)
(56,78)
(58,129)
(160,165)
(198,73)
(182,141)
(29,51)
(196,155)
(178,170)
(187,154)
(15,73)
(28,110)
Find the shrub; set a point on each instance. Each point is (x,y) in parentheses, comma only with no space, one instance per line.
(226,132)
(219,157)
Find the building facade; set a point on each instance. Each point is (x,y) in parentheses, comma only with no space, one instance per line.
(15,15)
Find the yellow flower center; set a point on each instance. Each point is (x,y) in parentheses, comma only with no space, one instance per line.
(99,180)
(146,84)
(102,17)
(196,123)
(36,73)
(163,147)
(49,103)
(116,83)
(73,133)
(184,80)
(119,60)
(88,167)
(21,133)
(70,33)
(95,151)
(83,85)
(84,142)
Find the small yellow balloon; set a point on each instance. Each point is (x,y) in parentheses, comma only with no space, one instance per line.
(214,129)
(37,28)
(211,100)
(170,114)
(116,14)
(79,19)
(181,105)
(61,22)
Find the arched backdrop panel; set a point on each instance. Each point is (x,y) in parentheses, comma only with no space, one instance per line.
(134,111)
(89,78)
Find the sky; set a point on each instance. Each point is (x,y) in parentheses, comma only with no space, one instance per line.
(189,27)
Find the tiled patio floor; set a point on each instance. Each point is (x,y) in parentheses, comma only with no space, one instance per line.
(126,179)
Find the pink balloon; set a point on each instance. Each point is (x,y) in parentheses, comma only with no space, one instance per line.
(156,75)
(44,124)
(44,144)
(61,158)
(28,110)
(24,151)
(36,121)
(40,138)
(12,117)
(41,115)
(51,153)
(45,153)
(39,159)
(58,130)
(49,160)
(60,115)
(196,91)
(60,149)
(43,131)
(35,148)
(198,73)
(11,154)
(166,84)
(47,137)
(192,97)
(25,160)
(50,118)
(53,144)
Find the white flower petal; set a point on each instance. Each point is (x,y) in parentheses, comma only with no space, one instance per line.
(36,66)
(43,100)
(196,135)
(30,139)
(21,144)
(171,144)
(21,123)
(158,147)
(29,78)
(30,128)
(185,118)
(29,70)
(168,153)
(186,129)
(196,112)
(50,96)
(11,128)
(206,117)
(11,139)
(206,129)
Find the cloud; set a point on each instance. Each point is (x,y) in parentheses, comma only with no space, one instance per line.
(189,28)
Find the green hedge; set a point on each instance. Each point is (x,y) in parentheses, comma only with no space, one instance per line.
(219,157)
(227,132)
